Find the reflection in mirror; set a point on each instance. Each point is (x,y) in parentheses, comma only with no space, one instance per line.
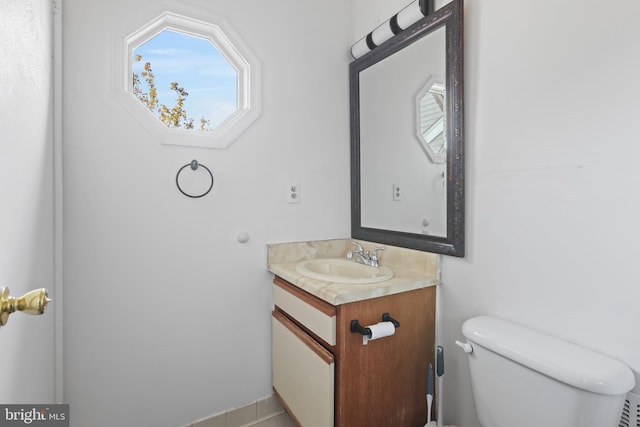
(406,99)
(431,121)
(391,156)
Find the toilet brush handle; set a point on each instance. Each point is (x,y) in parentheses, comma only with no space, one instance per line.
(440,374)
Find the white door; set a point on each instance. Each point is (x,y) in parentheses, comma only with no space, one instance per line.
(27,354)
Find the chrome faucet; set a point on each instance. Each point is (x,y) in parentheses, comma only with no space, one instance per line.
(365,257)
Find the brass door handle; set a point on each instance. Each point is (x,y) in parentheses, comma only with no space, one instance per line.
(33,302)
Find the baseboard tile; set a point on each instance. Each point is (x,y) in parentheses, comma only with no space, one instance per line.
(243,416)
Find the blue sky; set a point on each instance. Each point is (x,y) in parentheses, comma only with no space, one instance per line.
(198,67)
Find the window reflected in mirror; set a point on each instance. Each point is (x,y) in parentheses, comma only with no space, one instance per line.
(431,121)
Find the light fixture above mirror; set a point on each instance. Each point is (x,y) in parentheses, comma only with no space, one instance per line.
(407,99)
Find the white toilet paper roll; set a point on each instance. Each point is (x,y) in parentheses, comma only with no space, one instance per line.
(379,330)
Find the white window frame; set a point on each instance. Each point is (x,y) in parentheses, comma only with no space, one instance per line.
(228,43)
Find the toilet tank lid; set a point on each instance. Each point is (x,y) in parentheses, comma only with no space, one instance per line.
(566,362)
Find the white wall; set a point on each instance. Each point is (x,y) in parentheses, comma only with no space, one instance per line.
(167,316)
(26,197)
(551,127)
(552,131)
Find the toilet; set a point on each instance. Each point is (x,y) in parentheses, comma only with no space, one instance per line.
(524,378)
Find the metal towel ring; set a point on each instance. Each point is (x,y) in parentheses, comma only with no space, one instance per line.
(194,165)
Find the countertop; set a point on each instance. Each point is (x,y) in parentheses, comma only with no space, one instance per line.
(412,270)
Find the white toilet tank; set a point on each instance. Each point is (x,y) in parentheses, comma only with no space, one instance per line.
(524,378)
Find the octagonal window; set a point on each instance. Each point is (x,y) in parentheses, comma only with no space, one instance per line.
(191,82)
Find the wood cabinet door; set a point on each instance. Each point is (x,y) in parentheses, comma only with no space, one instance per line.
(384,383)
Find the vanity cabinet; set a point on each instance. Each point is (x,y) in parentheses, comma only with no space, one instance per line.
(325,376)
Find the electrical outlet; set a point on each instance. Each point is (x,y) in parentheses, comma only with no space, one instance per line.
(293,193)
(397,195)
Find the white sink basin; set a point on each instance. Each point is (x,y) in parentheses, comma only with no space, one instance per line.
(339,270)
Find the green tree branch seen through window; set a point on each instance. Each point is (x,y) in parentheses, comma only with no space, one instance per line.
(172,117)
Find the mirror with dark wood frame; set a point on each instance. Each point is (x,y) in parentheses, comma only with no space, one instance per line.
(401,194)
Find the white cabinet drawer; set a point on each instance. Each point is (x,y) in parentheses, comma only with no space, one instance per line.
(303,374)
(317,316)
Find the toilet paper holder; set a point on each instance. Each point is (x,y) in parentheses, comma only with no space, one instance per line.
(357,327)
